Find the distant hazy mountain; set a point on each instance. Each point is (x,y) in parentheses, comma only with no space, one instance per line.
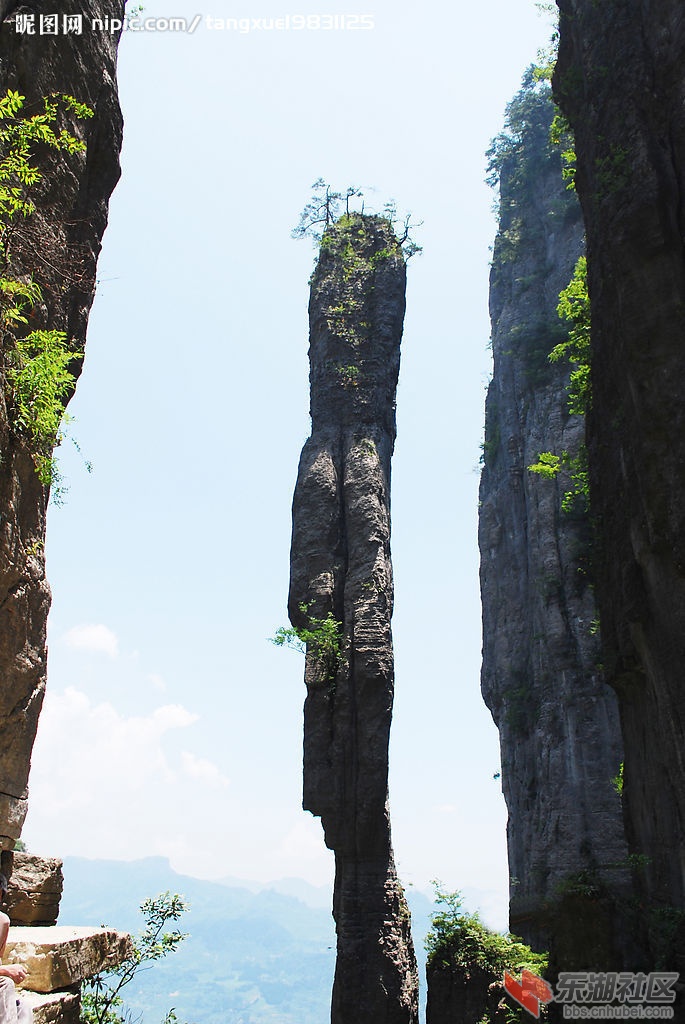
(253,955)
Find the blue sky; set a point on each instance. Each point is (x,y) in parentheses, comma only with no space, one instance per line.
(172,727)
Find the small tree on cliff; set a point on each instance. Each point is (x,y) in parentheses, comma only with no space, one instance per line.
(327,206)
(101,1001)
(323,209)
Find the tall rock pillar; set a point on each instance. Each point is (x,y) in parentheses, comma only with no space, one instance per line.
(620,79)
(340,566)
(542,677)
(57,247)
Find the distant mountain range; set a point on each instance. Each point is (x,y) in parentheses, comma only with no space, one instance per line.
(254,954)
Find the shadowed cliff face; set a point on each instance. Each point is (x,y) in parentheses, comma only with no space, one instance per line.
(340,563)
(58,246)
(541,678)
(621,80)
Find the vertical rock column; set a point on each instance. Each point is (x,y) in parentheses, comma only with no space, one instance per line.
(541,677)
(620,78)
(340,564)
(57,247)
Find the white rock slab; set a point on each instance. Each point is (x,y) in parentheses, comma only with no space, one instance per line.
(58,957)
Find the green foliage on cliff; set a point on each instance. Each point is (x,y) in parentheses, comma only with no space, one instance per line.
(102,1002)
(460,942)
(516,159)
(574,306)
(37,371)
(617,781)
(523,164)
(36,363)
(561,135)
(549,465)
(325,209)
(320,637)
(458,938)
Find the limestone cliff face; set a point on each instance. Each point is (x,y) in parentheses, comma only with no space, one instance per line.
(621,80)
(541,678)
(340,564)
(58,246)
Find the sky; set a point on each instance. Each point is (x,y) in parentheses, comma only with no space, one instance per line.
(171,725)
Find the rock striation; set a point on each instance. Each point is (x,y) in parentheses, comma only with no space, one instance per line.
(541,675)
(620,79)
(58,958)
(341,573)
(35,890)
(58,247)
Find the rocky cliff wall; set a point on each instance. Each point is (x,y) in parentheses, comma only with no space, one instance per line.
(58,247)
(620,79)
(541,677)
(340,567)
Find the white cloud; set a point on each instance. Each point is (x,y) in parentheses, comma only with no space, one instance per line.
(99,778)
(96,638)
(203,770)
(304,841)
(234,840)
(109,784)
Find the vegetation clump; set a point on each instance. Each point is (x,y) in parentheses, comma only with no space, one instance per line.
(37,363)
(320,637)
(459,941)
(325,209)
(574,306)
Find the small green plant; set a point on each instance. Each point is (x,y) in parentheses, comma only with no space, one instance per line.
(101,1001)
(348,375)
(576,498)
(580,883)
(380,256)
(548,464)
(617,781)
(612,171)
(638,861)
(320,637)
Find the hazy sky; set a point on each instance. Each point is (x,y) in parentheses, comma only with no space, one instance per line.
(171,725)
